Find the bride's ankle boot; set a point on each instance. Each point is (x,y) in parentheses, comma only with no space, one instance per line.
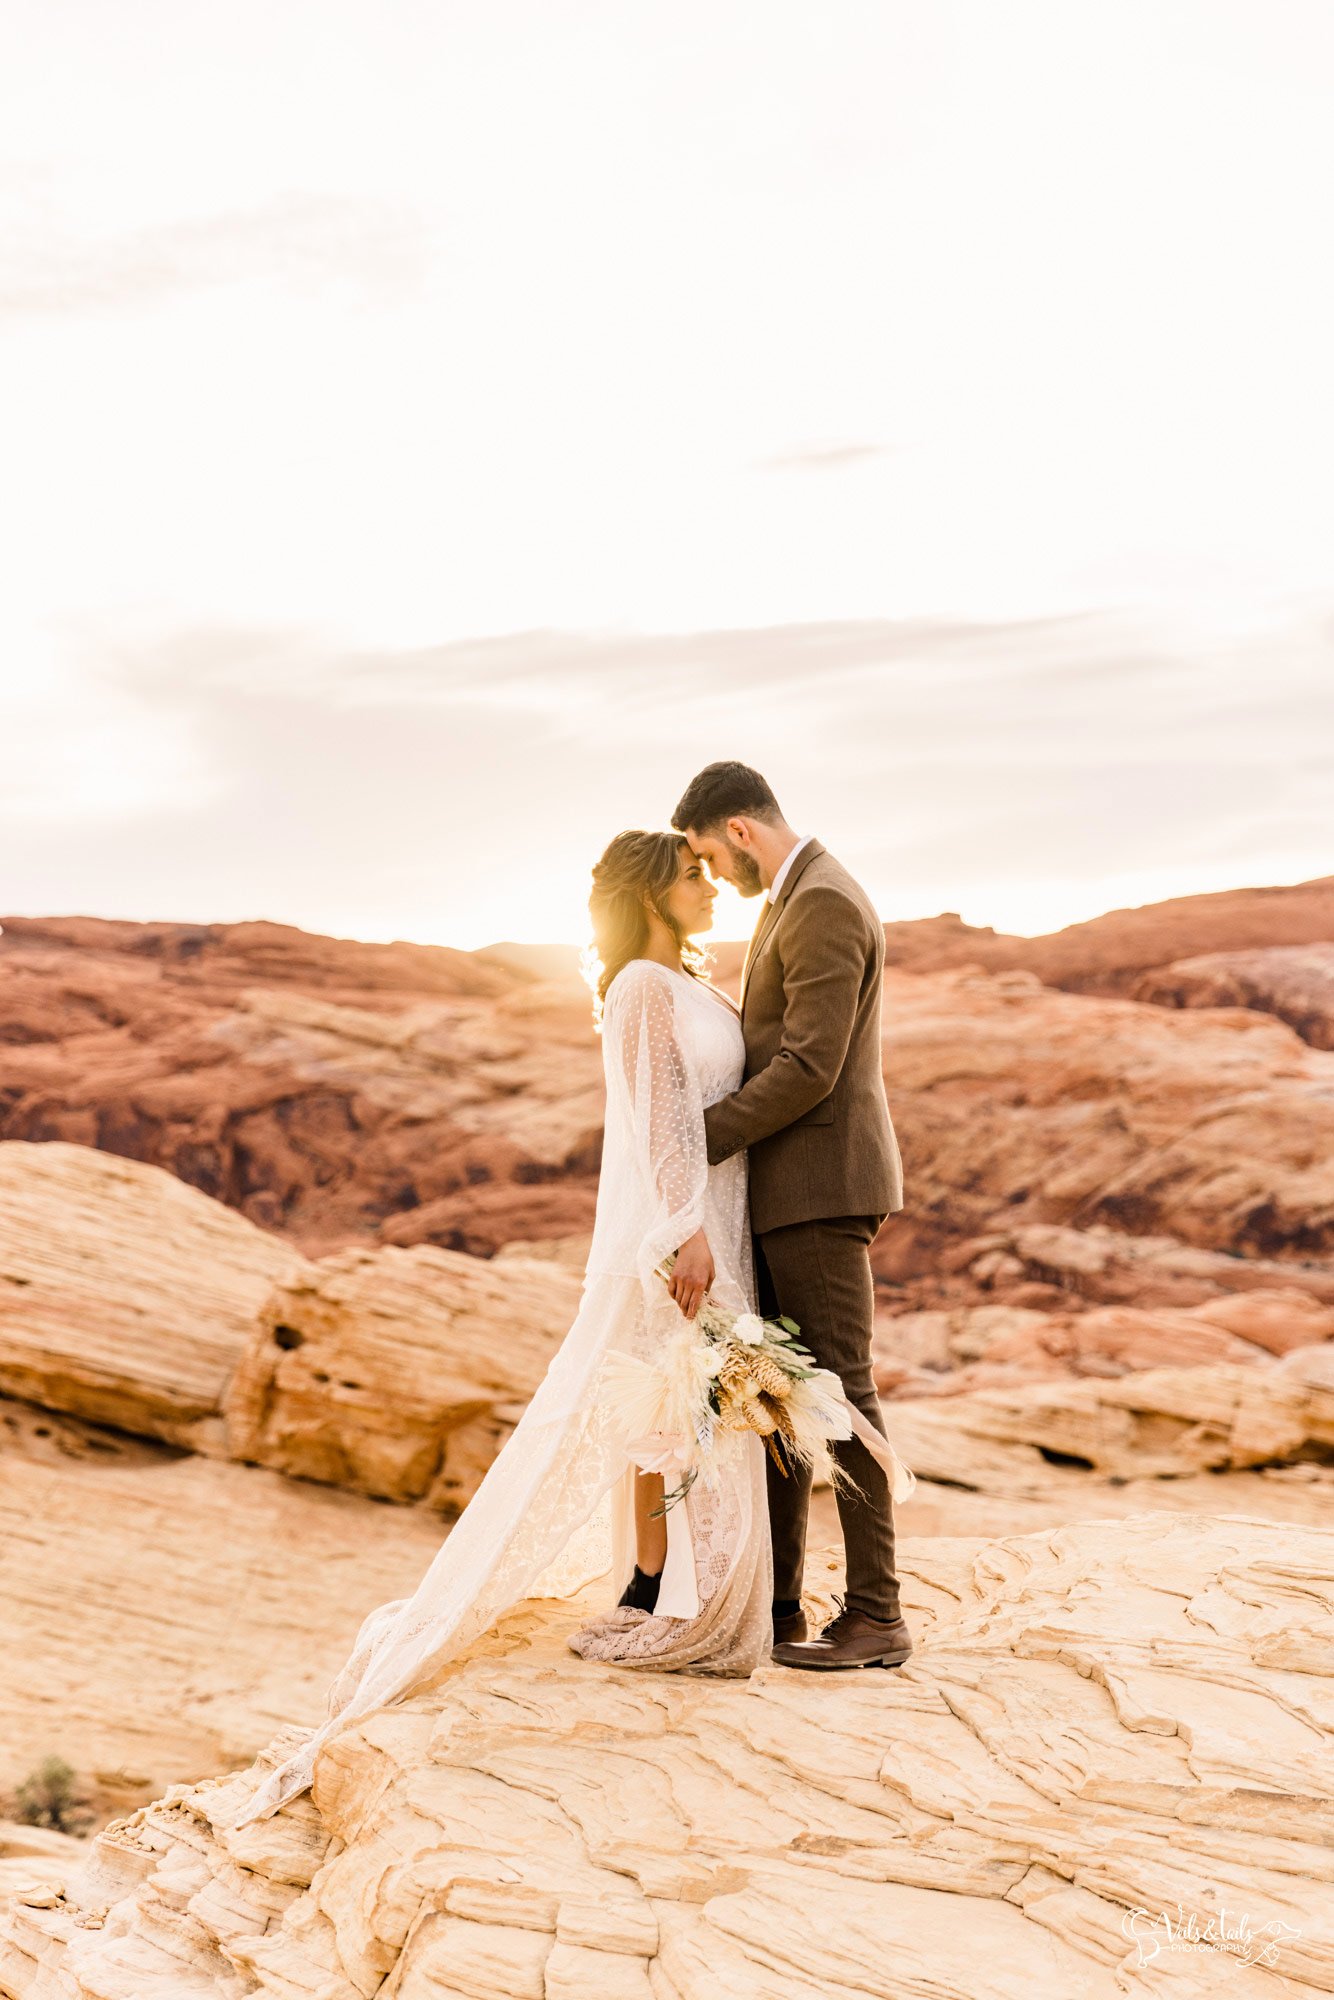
(641,1593)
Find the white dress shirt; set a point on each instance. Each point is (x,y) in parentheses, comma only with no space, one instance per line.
(775,888)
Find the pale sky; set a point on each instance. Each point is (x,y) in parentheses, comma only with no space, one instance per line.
(430,432)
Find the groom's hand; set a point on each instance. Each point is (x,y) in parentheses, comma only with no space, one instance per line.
(692,1273)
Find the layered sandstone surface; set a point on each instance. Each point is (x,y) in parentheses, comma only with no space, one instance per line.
(329,1090)
(128,1299)
(125,1296)
(397,1373)
(162,1612)
(160,1601)
(259,1160)
(1156,1425)
(167,1349)
(1295,982)
(1254,1439)
(1111,953)
(1099,1724)
(337,1092)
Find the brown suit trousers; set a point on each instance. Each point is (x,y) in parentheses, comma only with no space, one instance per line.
(819,1273)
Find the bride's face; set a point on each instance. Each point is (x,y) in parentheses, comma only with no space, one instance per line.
(691,897)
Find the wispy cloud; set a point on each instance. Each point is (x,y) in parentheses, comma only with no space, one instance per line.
(301,241)
(461,792)
(562,672)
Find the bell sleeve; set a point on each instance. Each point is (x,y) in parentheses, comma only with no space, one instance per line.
(650,1074)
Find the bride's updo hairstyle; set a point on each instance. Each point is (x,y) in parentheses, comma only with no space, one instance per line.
(635,866)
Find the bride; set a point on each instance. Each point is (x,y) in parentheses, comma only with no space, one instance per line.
(573,1494)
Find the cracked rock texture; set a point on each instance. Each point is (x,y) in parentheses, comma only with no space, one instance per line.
(224,1596)
(1097,1720)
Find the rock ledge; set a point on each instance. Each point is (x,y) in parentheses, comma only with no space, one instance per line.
(1114,1717)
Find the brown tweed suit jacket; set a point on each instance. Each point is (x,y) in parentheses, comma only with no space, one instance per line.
(812,1108)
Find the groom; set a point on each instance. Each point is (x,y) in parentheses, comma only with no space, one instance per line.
(824,1171)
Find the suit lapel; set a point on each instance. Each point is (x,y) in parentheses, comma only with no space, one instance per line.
(773,912)
(757,937)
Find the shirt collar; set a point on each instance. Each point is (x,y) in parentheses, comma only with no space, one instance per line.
(775,889)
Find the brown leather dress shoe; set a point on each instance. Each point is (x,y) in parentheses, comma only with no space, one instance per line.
(790,1630)
(851,1639)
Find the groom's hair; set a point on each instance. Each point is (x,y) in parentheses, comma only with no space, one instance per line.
(725,791)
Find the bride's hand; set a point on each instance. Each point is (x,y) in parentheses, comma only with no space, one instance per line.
(692,1273)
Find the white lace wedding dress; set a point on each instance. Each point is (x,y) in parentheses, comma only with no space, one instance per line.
(556,1508)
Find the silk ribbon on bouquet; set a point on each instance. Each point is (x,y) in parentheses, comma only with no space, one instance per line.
(902,1478)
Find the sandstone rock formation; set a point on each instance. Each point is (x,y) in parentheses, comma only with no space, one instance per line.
(1100,1723)
(321,1086)
(1017,1104)
(125,1296)
(1295,982)
(180,1607)
(337,1092)
(1254,1440)
(1109,1266)
(31,1854)
(949,1351)
(162,1613)
(1157,1424)
(177,1605)
(397,1373)
(1111,953)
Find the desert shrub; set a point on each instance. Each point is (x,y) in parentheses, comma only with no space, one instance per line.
(49,1796)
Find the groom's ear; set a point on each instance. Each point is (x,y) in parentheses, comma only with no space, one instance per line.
(739,831)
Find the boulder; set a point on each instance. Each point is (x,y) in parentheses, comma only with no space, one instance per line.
(126,1297)
(129,1299)
(1159,1423)
(397,1373)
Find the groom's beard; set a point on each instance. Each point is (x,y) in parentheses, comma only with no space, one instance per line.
(745,872)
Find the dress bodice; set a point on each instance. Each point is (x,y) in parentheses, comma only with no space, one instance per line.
(713,1037)
(671,1045)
